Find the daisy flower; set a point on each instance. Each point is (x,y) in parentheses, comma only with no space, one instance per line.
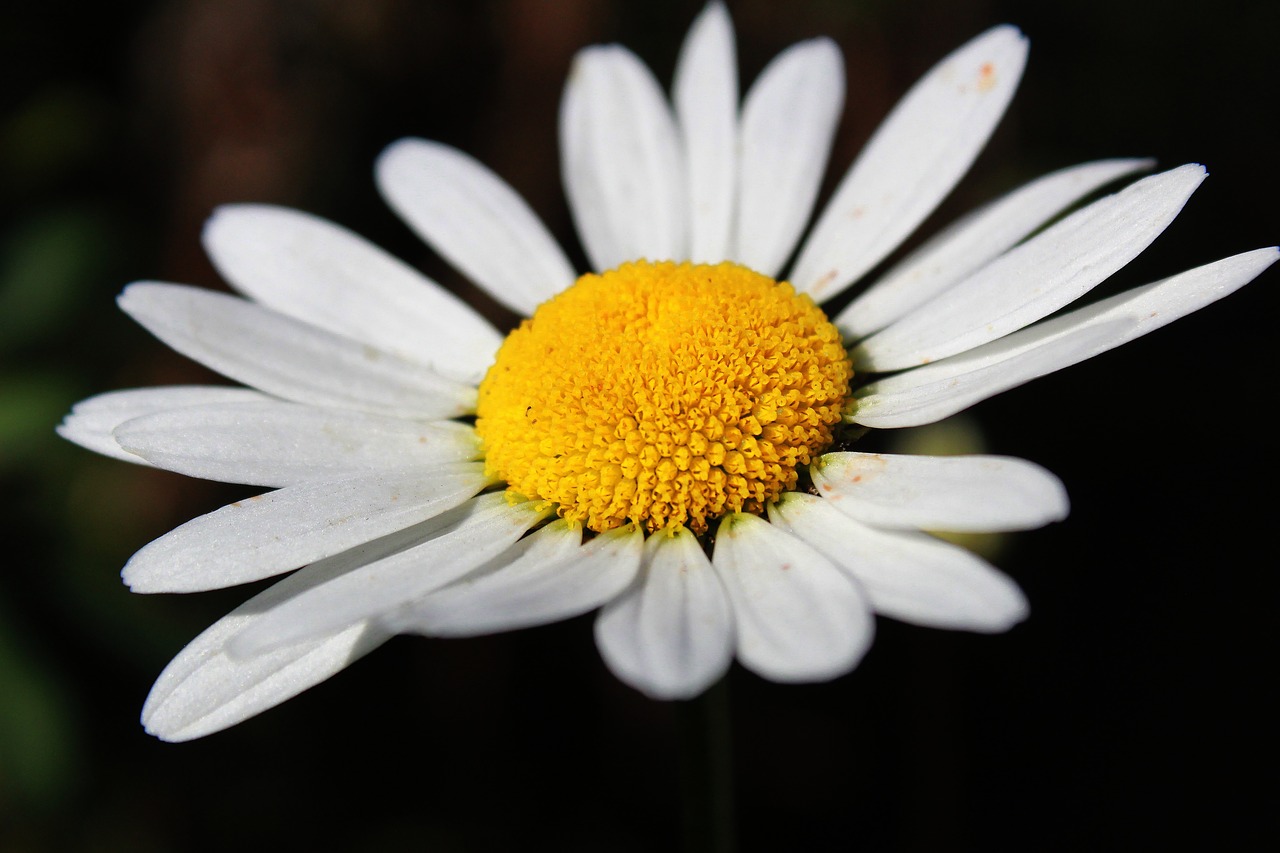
(666,438)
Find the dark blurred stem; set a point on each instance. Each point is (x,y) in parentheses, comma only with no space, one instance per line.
(707,771)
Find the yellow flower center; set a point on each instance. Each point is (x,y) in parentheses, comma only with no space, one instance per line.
(663,393)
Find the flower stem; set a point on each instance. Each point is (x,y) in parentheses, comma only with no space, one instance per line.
(707,771)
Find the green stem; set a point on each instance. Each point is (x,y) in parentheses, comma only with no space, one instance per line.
(707,771)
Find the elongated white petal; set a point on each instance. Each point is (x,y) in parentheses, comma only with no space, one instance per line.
(906,575)
(788,120)
(318,272)
(621,161)
(1032,280)
(282,530)
(204,690)
(905,400)
(289,358)
(912,161)
(705,96)
(670,635)
(974,241)
(547,576)
(1129,315)
(274,443)
(92,422)
(953,493)
(798,617)
(461,541)
(932,392)
(476,221)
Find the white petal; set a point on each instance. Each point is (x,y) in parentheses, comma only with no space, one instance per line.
(907,400)
(274,443)
(92,422)
(798,617)
(282,530)
(475,221)
(318,272)
(670,635)
(937,390)
(204,690)
(974,241)
(1096,328)
(912,161)
(1032,280)
(705,95)
(952,493)
(789,118)
(907,575)
(547,576)
(460,541)
(621,160)
(288,358)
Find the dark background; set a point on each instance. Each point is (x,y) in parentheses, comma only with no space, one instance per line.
(1133,710)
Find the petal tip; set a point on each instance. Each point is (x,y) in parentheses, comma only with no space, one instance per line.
(714,12)
(394,157)
(1016,614)
(1057,501)
(69,427)
(143,582)
(1007,32)
(1198,171)
(131,298)
(164,726)
(238,218)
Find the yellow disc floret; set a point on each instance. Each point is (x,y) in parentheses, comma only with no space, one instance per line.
(663,393)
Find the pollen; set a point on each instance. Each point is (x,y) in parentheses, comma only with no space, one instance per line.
(662,394)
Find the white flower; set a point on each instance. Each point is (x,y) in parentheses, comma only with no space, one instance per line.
(362,376)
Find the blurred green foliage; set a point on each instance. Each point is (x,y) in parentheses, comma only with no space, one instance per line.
(39,749)
(61,244)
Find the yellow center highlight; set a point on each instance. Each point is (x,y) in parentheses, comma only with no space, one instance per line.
(663,393)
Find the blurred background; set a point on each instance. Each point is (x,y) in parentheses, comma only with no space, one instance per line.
(1133,709)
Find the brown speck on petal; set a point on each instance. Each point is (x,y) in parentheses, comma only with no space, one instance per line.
(822,283)
(986,77)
